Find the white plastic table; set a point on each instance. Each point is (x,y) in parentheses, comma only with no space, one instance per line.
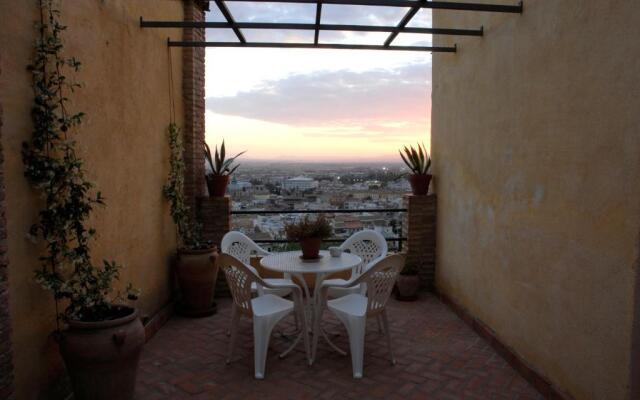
(290,262)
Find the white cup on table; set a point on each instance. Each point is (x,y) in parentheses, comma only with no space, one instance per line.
(335,251)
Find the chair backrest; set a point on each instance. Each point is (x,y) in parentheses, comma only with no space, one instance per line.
(239,279)
(241,246)
(367,244)
(379,280)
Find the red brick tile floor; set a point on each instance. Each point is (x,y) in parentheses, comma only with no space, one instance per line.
(438,357)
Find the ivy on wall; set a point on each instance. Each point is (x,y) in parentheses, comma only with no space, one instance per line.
(56,171)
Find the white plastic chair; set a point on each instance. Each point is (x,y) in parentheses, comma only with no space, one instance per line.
(265,310)
(354,309)
(242,247)
(367,244)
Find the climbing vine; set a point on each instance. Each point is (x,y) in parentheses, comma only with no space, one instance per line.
(56,171)
(189,233)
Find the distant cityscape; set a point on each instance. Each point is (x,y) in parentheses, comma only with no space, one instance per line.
(272,186)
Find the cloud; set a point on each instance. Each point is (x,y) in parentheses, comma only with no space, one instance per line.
(377,100)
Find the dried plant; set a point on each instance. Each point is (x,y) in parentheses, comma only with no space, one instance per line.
(318,228)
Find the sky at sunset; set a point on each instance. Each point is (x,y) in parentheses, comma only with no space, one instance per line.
(317,105)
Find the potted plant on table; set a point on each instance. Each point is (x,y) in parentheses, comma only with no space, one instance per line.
(419,162)
(220,170)
(196,269)
(408,283)
(309,233)
(99,335)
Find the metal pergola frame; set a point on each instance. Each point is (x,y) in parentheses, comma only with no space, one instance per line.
(317,27)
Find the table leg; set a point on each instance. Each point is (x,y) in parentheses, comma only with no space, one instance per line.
(317,319)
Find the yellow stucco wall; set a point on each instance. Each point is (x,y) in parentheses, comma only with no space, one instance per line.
(122,140)
(536,143)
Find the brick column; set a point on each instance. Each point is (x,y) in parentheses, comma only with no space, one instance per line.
(6,364)
(419,228)
(214,213)
(194,103)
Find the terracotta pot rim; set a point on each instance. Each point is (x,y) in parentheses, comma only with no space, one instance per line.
(191,252)
(95,325)
(212,176)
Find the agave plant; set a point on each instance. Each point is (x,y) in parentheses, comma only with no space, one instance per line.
(418,160)
(220,165)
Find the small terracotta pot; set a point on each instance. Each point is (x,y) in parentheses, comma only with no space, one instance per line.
(217,185)
(102,357)
(197,273)
(408,286)
(420,184)
(310,248)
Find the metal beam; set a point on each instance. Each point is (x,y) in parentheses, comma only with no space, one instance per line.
(403,23)
(440,5)
(322,27)
(434,49)
(227,15)
(318,19)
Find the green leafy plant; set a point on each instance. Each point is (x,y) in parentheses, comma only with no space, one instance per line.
(418,160)
(56,171)
(318,228)
(220,165)
(189,232)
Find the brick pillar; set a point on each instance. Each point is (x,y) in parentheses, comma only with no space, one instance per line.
(194,104)
(419,228)
(6,364)
(214,213)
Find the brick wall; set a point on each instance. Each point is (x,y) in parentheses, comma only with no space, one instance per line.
(419,228)
(6,364)
(215,215)
(194,104)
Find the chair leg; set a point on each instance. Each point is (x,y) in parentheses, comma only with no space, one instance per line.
(235,318)
(380,328)
(262,328)
(233,315)
(385,321)
(356,328)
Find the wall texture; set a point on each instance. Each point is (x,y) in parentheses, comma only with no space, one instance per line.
(536,150)
(123,141)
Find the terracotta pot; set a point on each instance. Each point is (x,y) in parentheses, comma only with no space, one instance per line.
(102,357)
(197,273)
(217,185)
(408,286)
(310,247)
(420,184)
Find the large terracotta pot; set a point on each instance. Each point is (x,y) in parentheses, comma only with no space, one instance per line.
(197,273)
(420,184)
(102,357)
(217,185)
(310,248)
(408,286)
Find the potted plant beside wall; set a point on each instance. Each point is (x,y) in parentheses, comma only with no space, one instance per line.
(220,170)
(408,283)
(309,233)
(419,162)
(195,269)
(100,336)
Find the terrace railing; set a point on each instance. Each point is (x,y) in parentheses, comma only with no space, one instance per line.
(397,240)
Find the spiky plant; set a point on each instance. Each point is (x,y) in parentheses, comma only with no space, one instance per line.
(418,160)
(220,165)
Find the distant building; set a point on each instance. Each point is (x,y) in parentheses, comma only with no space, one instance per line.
(300,183)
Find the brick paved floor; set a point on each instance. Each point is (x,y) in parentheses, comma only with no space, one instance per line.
(438,357)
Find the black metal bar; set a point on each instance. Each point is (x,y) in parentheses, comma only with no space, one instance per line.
(338,211)
(400,240)
(440,5)
(403,23)
(435,49)
(295,26)
(227,15)
(316,36)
